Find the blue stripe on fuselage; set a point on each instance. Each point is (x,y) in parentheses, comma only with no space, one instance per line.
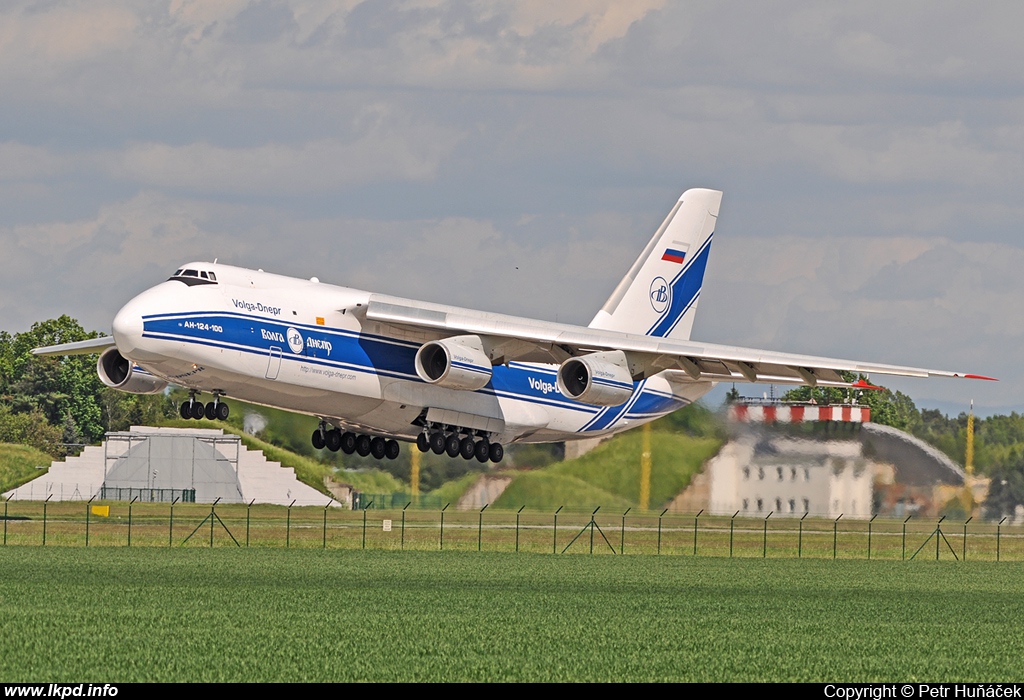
(380,355)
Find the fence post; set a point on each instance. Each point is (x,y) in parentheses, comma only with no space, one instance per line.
(442,524)
(248,508)
(403,523)
(44,522)
(800,538)
(999,527)
(622,532)
(764,546)
(903,556)
(869,534)
(964,552)
(288,527)
(480,528)
(554,532)
(5,518)
(365,508)
(517,527)
(130,503)
(170,527)
(213,513)
(659,528)
(88,510)
(835,535)
(325,523)
(732,520)
(695,531)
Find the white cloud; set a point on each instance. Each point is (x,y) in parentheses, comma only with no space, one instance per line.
(311,167)
(913,301)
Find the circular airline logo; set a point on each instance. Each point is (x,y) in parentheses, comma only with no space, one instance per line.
(661,295)
(294,340)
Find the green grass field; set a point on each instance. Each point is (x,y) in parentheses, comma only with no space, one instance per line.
(609,476)
(146,614)
(18,464)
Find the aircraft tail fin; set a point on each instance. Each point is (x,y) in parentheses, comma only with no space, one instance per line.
(658,296)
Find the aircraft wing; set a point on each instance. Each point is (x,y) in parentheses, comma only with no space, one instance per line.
(513,338)
(82,347)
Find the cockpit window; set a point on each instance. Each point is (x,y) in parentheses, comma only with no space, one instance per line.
(194,277)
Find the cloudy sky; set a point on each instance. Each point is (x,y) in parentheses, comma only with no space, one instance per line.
(515,156)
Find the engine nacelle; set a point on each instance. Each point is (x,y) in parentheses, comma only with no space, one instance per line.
(454,363)
(601,378)
(117,372)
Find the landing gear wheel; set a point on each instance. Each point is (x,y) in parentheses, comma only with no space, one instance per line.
(467,448)
(437,443)
(333,440)
(482,451)
(198,410)
(222,411)
(348,443)
(496,452)
(423,442)
(210,412)
(452,445)
(185,410)
(318,440)
(378,446)
(392,449)
(363,445)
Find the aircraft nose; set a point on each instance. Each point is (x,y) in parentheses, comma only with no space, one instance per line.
(127,327)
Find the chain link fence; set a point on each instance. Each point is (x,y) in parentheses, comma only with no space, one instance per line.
(561,531)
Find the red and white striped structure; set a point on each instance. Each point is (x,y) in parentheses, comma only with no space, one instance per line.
(798,413)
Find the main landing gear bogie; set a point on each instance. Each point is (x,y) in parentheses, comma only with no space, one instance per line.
(455,445)
(197,410)
(351,443)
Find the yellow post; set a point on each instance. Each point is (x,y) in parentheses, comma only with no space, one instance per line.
(967,497)
(969,456)
(414,478)
(645,469)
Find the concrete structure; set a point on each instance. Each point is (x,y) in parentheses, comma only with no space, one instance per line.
(784,476)
(873,469)
(163,464)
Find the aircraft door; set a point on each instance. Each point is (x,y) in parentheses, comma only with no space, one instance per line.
(274,366)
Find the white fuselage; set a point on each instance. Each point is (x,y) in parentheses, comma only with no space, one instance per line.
(308,347)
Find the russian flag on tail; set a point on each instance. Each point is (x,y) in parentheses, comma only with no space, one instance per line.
(674,255)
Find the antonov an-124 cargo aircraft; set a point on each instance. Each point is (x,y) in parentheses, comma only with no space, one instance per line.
(378,369)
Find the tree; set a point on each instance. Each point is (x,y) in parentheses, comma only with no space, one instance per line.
(1006,491)
(887,408)
(53,386)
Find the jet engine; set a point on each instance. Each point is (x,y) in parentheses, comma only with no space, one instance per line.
(455,363)
(600,378)
(117,372)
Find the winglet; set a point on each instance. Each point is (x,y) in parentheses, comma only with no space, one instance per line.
(861,384)
(980,376)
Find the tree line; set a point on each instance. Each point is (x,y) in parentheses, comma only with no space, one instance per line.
(57,404)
